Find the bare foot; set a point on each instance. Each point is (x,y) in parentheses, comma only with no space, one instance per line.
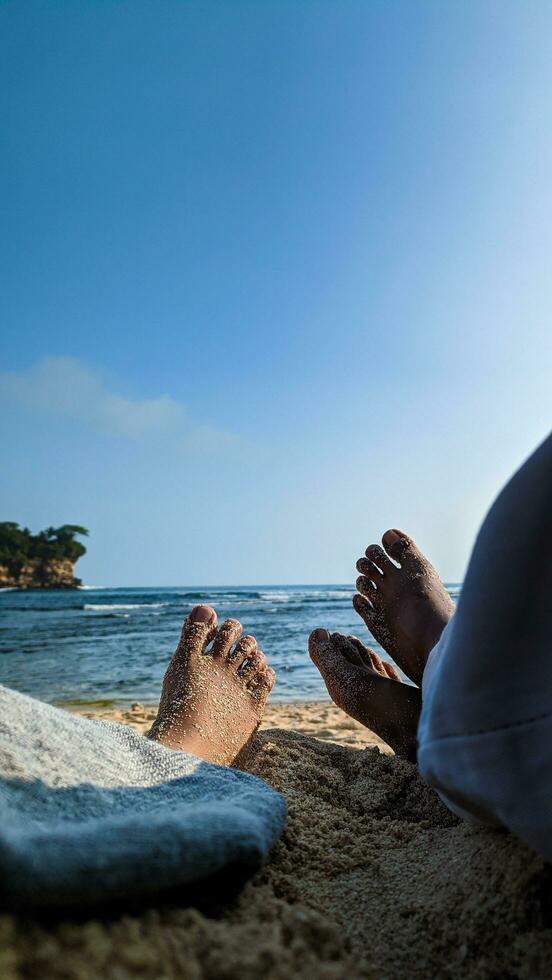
(368,689)
(406,609)
(213,700)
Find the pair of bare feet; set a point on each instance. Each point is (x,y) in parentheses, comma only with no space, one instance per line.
(218,681)
(406,607)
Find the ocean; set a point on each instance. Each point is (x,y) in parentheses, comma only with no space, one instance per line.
(114,644)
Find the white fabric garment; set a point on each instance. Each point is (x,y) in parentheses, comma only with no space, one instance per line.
(485,732)
(91,811)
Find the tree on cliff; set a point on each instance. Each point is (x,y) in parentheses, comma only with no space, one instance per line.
(18,545)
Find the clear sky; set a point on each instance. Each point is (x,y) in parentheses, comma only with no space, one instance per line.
(275,277)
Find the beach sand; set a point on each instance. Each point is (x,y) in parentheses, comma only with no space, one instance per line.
(373,878)
(320,719)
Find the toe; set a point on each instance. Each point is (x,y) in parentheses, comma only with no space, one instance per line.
(369,657)
(347,649)
(390,671)
(252,664)
(198,630)
(370,571)
(377,556)
(260,682)
(227,634)
(203,614)
(328,656)
(356,653)
(367,588)
(340,676)
(365,609)
(321,649)
(243,650)
(366,655)
(402,548)
(376,663)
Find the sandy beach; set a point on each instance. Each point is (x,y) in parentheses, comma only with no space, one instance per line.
(320,719)
(373,878)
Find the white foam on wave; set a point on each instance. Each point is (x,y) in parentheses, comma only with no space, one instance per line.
(306,594)
(219,603)
(105,607)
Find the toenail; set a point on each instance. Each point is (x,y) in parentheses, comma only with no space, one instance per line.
(392,536)
(202,614)
(319,636)
(402,540)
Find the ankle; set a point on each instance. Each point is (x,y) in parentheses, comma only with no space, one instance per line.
(401,723)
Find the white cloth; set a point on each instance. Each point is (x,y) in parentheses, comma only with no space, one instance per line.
(91,811)
(485,731)
(498,776)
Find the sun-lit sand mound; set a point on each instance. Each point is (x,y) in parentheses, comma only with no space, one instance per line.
(372,878)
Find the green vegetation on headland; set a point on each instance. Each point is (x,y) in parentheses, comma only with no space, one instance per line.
(39,561)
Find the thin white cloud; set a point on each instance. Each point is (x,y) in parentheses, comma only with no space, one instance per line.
(67,387)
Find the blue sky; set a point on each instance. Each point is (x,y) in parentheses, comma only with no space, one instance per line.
(276,276)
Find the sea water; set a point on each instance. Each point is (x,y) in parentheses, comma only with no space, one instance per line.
(114,644)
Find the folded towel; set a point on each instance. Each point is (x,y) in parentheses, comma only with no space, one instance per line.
(91,811)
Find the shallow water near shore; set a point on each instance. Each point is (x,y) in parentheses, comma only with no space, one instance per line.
(113,645)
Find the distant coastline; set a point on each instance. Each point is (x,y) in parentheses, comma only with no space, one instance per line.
(39,561)
(37,574)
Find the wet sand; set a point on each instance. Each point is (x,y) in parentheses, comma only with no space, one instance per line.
(373,878)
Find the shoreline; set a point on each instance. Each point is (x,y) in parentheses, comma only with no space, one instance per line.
(317,719)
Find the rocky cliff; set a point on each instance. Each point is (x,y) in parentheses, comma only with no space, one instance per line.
(41,574)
